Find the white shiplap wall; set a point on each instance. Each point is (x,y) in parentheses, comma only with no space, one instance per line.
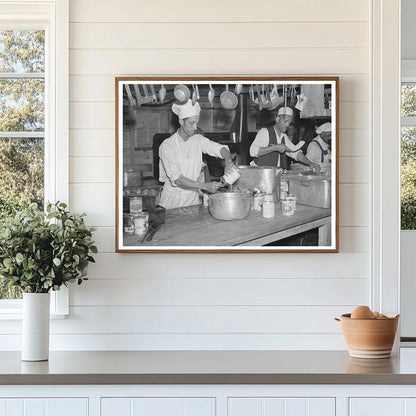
(215,301)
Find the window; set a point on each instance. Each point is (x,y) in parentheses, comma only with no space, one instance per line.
(22,124)
(408,155)
(34,108)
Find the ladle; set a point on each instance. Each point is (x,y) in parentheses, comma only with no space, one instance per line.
(162,93)
(211,95)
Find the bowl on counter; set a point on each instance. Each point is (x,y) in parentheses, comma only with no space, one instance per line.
(369,337)
(230,205)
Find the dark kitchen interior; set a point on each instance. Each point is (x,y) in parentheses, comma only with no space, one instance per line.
(146,125)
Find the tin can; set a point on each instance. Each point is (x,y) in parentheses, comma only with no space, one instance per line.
(231,176)
(258,201)
(141,223)
(268,206)
(292,199)
(136,205)
(128,224)
(284,188)
(288,207)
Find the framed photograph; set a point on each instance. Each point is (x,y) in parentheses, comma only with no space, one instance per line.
(227,164)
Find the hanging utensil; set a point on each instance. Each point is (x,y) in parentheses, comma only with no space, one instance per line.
(138,95)
(238,88)
(285,95)
(162,94)
(228,99)
(147,98)
(132,101)
(269,100)
(182,93)
(259,96)
(211,95)
(194,96)
(293,93)
(197,92)
(152,89)
(263,97)
(251,93)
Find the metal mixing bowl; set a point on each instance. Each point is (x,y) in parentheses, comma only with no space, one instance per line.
(229,205)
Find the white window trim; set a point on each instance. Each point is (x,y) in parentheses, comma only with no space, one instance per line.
(385,98)
(34,13)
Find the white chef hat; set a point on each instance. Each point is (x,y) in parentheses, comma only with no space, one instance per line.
(326,127)
(186,110)
(285,111)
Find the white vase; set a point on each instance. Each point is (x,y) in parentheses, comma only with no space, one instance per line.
(35,326)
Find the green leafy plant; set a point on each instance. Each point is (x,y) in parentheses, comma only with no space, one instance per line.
(43,251)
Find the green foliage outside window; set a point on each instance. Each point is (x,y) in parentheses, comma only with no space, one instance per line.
(21,110)
(408,160)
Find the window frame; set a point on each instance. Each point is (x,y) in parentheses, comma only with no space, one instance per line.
(408,75)
(53,17)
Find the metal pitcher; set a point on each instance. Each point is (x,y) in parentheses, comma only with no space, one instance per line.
(263,178)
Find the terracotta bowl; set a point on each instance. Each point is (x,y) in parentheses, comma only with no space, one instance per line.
(369,338)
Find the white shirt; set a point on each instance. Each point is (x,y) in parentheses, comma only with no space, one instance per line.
(179,157)
(262,140)
(314,153)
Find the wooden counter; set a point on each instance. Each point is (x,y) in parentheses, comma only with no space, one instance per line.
(194,226)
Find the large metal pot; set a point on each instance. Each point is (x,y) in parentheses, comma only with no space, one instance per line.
(229,205)
(264,178)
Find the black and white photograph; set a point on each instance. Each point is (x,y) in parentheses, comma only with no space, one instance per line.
(237,164)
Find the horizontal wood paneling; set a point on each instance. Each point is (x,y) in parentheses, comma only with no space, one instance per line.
(354,239)
(249,301)
(90,169)
(96,199)
(220,291)
(99,88)
(201,319)
(94,88)
(195,320)
(256,61)
(354,170)
(222,35)
(354,142)
(207,265)
(217,11)
(93,143)
(354,205)
(104,238)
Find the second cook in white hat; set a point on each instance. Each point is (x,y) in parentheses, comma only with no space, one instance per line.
(272,146)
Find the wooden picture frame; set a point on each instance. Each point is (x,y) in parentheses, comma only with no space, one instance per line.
(233,110)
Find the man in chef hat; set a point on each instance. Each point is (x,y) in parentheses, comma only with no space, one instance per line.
(180,160)
(319,149)
(271,145)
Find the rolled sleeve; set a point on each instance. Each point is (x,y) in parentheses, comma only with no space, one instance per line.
(212,148)
(261,140)
(313,153)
